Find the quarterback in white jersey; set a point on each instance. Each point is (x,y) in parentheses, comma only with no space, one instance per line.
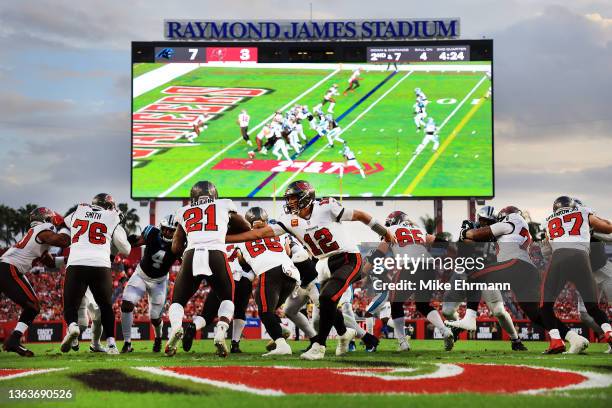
(200,238)
(278,276)
(318,224)
(95,228)
(17,261)
(568,232)
(328,97)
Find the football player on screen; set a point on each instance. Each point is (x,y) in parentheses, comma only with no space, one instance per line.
(353,81)
(431,135)
(150,277)
(328,97)
(350,160)
(319,225)
(200,239)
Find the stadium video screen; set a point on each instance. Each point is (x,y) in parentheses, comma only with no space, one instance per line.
(361,120)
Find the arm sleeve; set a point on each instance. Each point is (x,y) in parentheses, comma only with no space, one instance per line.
(338,212)
(279,228)
(120,241)
(502,228)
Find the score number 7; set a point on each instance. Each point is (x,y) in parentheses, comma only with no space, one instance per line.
(193,52)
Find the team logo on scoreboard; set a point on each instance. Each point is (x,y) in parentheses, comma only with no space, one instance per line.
(166,53)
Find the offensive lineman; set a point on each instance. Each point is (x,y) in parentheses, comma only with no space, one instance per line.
(568,230)
(94,229)
(278,277)
(411,242)
(493,298)
(150,277)
(199,237)
(17,261)
(318,224)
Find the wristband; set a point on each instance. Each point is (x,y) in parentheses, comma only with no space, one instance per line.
(377,228)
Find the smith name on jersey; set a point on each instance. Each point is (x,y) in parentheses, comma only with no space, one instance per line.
(91,232)
(206,223)
(323,232)
(158,256)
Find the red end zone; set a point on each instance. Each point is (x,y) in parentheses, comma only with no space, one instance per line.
(448,378)
(276,166)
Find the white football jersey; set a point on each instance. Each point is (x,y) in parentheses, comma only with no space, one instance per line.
(410,240)
(323,233)
(354,76)
(513,238)
(231,251)
(430,128)
(22,254)
(91,233)
(265,254)
(569,228)
(206,223)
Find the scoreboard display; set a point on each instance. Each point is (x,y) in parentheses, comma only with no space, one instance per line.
(205,54)
(433,53)
(309,106)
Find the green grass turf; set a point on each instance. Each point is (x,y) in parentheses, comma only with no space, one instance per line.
(143,67)
(375,137)
(422,356)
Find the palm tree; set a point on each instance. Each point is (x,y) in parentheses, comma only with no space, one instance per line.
(22,221)
(8,218)
(131,219)
(429,224)
(71,210)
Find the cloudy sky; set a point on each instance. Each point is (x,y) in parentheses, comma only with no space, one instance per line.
(65,76)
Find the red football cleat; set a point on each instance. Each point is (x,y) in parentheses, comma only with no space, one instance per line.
(557,346)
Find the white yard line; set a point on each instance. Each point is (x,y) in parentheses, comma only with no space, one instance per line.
(263,122)
(290,179)
(152,79)
(413,158)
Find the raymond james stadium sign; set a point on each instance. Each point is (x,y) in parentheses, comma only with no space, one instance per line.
(311,30)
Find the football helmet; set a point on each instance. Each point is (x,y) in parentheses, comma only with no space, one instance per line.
(167,226)
(486,213)
(300,194)
(41,215)
(564,202)
(105,201)
(504,212)
(396,218)
(256,214)
(578,202)
(203,188)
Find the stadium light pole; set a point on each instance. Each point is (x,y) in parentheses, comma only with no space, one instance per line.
(471,209)
(152,206)
(438,215)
